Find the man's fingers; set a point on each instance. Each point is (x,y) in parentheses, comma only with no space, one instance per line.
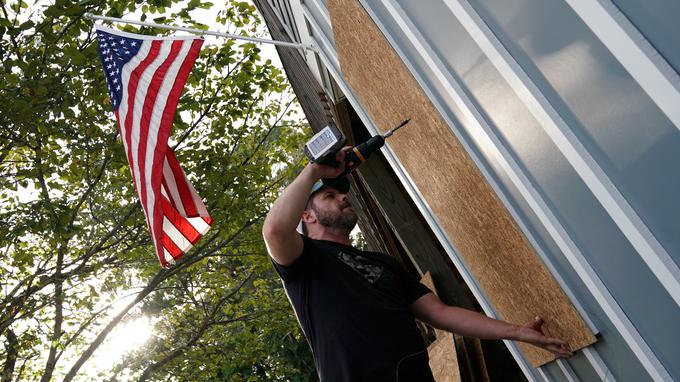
(535,324)
(558,347)
(341,154)
(557,350)
(553,341)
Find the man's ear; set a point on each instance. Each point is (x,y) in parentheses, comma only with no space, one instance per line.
(308,216)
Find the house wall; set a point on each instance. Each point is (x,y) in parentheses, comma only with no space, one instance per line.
(569,110)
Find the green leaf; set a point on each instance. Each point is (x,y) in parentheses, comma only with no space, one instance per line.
(26,25)
(75,10)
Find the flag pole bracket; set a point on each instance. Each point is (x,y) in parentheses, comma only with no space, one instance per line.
(304,47)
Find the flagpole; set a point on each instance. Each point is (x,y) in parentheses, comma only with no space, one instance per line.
(204,32)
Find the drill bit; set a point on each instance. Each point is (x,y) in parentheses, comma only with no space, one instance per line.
(389,133)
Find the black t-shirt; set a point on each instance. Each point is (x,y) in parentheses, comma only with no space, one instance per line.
(353,307)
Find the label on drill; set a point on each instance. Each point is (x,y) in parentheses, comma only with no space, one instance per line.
(321,142)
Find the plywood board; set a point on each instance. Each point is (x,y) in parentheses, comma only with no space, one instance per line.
(483,232)
(443,359)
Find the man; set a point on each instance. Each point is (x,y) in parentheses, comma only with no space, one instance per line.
(357,308)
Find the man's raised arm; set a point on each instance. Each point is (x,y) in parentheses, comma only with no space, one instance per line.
(283,242)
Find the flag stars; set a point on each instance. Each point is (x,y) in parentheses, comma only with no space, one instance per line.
(115,53)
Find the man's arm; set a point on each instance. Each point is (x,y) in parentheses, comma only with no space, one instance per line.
(284,244)
(430,309)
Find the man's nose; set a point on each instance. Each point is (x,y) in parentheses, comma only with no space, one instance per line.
(343,197)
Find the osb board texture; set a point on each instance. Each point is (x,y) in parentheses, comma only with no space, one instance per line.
(443,359)
(492,246)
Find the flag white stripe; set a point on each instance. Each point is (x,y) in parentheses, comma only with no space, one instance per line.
(199,225)
(168,257)
(176,236)
(172,187)
(154,123)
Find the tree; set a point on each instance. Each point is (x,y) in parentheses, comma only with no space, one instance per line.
(72,234)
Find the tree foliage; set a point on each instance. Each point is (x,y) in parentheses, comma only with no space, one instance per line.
(76,255)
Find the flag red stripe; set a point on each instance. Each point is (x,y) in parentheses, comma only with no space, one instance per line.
(181,184)
(165,125)
(180,222)
(171,199)
(171,247)
(145,120)
(150,91)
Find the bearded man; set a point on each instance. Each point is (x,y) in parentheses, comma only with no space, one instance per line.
(357,309)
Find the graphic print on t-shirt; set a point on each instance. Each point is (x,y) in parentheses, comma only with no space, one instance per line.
(371,272)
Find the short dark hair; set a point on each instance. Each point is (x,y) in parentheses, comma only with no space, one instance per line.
(310,203)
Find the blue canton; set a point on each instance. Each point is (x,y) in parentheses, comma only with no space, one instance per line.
(115,51)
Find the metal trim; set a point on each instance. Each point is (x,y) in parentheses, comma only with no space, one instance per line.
(630,47)
(598,364)
(567,370)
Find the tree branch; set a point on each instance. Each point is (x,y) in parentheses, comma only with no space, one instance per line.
(58,317)
(208,320)
(11,359)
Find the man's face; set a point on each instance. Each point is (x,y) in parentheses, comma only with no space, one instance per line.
(333,210)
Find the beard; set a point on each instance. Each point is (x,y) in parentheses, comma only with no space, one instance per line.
(344,220)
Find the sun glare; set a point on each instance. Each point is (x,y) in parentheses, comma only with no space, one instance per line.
(122,340)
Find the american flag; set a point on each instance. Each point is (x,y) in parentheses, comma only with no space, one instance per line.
(145,76)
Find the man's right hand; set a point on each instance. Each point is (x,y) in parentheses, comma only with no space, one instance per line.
(330,172)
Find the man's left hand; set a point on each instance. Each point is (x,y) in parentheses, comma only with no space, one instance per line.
(532,333)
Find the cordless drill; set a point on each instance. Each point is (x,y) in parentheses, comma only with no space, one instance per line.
(359,153)
(325,144)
